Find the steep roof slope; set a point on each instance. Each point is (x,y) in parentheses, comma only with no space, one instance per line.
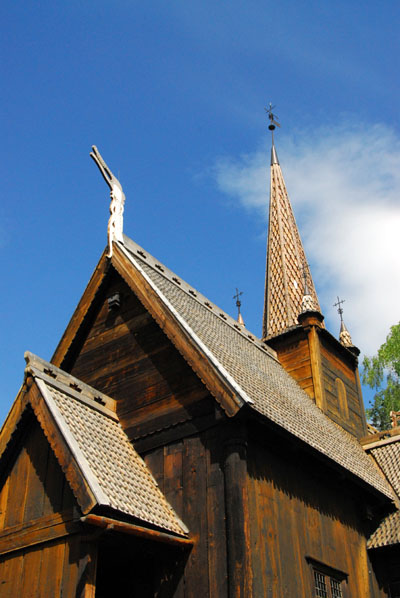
(246,364)
(100,464)
(286,261)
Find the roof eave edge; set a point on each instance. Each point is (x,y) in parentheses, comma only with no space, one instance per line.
(80,459)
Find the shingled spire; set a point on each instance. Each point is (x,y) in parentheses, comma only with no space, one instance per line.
(284,289)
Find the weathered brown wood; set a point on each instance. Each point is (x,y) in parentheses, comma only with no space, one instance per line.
(36,535)
(37,454)
(155,462)
(13,418)
(296,510)
(134,361)
(17,490)
(173,490)
(11,576)
(136,530)
(52,561)
(81,310)
(38,524)
(217,556)
(237,517)
(3,501)
(195,515)
(86,582)
(55,482)
(178,336)
(176,432)
(32,569)
(316,368)
(71,469)
(70,566)
(351,414)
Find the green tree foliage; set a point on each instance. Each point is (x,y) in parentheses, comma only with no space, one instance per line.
(382,373)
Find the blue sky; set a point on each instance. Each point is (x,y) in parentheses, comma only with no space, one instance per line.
(173,94)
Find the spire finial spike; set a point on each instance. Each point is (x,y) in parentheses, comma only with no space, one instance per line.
(115,222)
(339,304)
(285,295)
(238,305)
(272,126)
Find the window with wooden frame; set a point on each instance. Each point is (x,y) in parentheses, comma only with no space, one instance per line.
(327,581)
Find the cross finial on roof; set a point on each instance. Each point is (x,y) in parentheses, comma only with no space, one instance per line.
(344,334)
(238,305)
(339,304)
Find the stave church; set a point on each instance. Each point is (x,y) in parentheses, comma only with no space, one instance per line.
(166,451)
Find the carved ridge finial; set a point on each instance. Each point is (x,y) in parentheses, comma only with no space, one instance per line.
(116,221)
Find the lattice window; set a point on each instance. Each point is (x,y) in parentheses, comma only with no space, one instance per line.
(336,588)
(320,585)
(328,582)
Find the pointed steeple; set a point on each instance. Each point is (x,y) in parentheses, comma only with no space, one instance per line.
(285,294)
(344,334)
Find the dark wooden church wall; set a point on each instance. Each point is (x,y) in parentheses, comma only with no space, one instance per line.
(386,564)
(35,486)
(127,356)
(296,513)
(294,355)
(342,400)
(334,367)
(39,540)
(190,473)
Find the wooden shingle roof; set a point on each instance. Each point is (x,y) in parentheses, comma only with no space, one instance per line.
(284,282)
(386,453)
(99,462)
(247,369)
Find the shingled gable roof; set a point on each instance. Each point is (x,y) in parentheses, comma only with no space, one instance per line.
(237,367)
(98,460)
(386,452)
(248,367)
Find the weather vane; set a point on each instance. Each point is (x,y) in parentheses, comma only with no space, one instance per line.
(272,117)
(238,305)
(339,304)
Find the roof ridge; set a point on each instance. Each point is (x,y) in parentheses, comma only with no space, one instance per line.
(148,259)
(67,383)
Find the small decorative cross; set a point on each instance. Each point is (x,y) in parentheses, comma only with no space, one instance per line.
(238,302)
(338,304)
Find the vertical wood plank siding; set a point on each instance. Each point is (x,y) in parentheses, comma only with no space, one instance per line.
(296,513)
(127,356)
(316,361)
(191,474)
(35,495)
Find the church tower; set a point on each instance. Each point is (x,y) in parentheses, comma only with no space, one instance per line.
(325,367)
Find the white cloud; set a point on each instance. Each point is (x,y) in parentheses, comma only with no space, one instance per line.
(344,185)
